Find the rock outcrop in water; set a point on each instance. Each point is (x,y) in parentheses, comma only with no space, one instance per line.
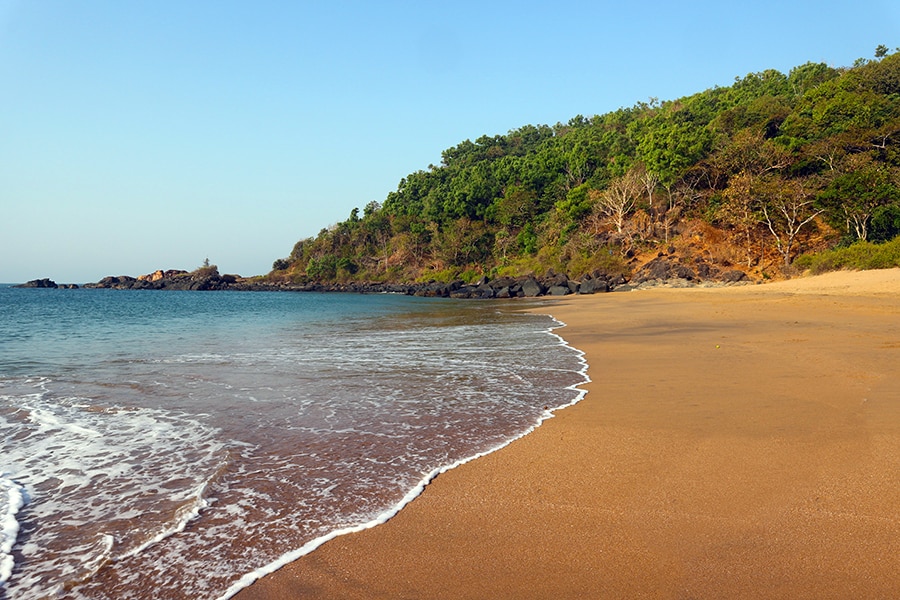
(47,283)
(39,283)
(169,280)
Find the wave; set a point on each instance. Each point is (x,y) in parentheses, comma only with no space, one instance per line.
(103,483)
(249,578)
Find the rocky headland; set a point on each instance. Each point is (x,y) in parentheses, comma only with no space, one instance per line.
(665,270)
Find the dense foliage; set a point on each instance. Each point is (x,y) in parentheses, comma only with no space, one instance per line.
(776,164)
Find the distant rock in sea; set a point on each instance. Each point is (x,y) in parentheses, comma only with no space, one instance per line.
(47,283)
(172,279)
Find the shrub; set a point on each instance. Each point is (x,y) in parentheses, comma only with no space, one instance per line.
(858,256)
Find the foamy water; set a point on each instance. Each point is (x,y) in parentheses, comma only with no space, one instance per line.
(180,445)
(11,501)
(105,482)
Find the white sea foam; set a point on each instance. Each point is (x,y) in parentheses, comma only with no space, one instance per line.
(249,578)
(183,516)
(12,498)
(103,483)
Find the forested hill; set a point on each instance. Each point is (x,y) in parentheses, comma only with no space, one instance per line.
(747,176)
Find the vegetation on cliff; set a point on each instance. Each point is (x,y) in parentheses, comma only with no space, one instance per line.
(750,175)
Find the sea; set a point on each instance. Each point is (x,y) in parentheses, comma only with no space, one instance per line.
(163,444)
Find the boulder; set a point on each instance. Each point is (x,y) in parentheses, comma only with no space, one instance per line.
(502,282)
(555,279)
(531,288)
(593,286)
(483,291)
(733,276)
(617,280)
(682,272)
(663,268)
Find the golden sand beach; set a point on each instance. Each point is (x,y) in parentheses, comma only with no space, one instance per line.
(734,443)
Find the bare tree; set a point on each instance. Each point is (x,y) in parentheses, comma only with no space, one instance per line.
(679,196)
(739,210)
(617,201)
(503,241)
(650,181)
(787,207)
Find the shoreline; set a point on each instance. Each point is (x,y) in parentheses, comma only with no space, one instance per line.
(249,579)
(735,442)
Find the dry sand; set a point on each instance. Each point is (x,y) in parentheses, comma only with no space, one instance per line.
(735,443)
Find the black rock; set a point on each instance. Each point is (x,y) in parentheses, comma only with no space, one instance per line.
(555,279)
(733,276)
(663,268)
(502,282)
(531,288)
(463,292)
(593,286)
(39,283)
(483,291)
(123,282)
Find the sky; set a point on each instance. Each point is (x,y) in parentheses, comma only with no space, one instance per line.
(141,135)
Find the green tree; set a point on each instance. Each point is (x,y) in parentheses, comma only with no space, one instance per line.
(808,76)
(323,268)
(528,240)
(852,198)
(515,207)
(670,146)
(577,204)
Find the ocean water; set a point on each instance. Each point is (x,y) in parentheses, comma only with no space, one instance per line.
(182,444)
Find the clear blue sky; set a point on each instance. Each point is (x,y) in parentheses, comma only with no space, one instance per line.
(137,135)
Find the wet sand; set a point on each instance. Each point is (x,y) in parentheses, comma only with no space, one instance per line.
(734,443)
